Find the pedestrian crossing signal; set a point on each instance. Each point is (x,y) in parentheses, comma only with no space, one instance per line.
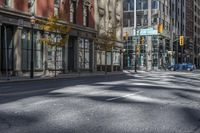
(181,40)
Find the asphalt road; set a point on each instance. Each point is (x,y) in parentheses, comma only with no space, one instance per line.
(155,102)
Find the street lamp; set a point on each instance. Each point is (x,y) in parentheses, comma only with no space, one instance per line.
(32,47)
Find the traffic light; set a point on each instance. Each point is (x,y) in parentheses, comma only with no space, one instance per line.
(142,40)
(181,40)
(126,36)
(138,49)
(160,28)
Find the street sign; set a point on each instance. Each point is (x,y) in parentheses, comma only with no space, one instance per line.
(147,32)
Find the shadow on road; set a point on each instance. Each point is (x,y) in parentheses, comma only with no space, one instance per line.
(18,91)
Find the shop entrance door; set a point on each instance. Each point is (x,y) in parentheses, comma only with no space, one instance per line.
(7,49)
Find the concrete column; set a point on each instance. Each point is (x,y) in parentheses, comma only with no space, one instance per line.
(171,46)
(149,42)
(76,55)
(45,57)
(66,56)
(164,51)
(18,52)
(121,61)
(112,61)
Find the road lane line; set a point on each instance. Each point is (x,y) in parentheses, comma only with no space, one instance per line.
(115,98)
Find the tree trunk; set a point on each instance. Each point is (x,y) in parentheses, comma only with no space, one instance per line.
(55,59)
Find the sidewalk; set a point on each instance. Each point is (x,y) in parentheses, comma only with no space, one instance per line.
(59,76)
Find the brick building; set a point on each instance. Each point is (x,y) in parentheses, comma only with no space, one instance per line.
(78,54)
(186,22)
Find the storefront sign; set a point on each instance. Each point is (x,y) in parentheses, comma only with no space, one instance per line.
(147,32)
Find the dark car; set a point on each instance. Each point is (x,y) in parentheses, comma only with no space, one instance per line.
(183,66)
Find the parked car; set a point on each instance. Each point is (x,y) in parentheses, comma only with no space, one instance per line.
(183,66)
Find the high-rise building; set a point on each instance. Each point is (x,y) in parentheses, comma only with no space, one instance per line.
(156,50)
(196,31)
(178,17)
(186,22)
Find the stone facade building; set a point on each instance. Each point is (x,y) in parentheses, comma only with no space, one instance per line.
(186,21)
(154,52)
(107,14)
(78,54)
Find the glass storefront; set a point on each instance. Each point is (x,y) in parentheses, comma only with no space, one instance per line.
(84,54)
(51,57)
(55,55)
(26,50)
(116,58)
(7,50)
(111,56)
(158,53)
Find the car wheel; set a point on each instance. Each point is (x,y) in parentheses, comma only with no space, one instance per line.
(172,69)
(189,69)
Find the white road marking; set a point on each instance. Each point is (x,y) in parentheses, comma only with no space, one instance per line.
(97,92)
(115,98)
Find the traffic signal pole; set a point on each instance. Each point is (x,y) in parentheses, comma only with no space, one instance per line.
(135,34)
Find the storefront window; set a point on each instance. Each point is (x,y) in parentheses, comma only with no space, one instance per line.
(51,56)
(108,58)
(84,54)
(26,51)
(116,58)
(38,52)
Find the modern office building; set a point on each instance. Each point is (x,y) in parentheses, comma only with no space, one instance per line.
(155,52)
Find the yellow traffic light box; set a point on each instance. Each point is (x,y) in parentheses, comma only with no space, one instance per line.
(126,36)
(138,48)
(160,28)
(181,40)
(142,40)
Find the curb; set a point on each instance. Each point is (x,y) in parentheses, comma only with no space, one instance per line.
(57,78)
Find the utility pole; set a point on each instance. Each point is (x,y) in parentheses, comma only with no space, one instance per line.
(135,18)
(149,41)
(135,32)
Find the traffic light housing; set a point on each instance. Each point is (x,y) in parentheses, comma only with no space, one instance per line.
(137,48)
(181,40)
(160,28)
(142,40)
(126,36)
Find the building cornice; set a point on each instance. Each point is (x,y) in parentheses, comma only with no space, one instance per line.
(22,19)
